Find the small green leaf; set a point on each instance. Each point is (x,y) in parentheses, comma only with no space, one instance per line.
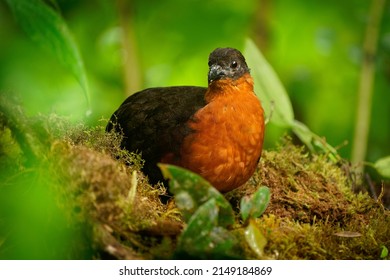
(260,201)
(383,166)
(254,207)
(45,27)
(191,191)
(203,237)
(245,207)
(255,238)
(268,86)
(384,252)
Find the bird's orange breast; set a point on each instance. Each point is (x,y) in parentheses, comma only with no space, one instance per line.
(227,137)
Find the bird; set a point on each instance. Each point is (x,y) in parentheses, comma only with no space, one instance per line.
(215,131)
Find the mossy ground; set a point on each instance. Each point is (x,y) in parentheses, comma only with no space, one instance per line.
(313,212)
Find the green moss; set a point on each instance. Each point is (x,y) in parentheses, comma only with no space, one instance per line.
(99,176)
(313,213)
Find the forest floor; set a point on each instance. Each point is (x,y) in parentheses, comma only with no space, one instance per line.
(313,213)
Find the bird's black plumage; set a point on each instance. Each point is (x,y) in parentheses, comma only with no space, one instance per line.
(153,122)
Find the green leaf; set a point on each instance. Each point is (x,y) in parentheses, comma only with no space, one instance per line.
(383,166)
(191,191)
(384,252)
(203,237)
(45,27)
(268,87)
(254,207)
(255,238)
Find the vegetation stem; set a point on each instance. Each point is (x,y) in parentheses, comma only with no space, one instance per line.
(363,113)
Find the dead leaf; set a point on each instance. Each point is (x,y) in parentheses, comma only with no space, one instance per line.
(348,234)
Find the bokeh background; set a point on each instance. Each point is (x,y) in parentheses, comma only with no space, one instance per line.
(315,47)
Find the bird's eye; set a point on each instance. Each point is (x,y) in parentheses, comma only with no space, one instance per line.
(234,64)
(210,63)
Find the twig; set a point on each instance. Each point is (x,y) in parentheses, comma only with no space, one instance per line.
(371,185)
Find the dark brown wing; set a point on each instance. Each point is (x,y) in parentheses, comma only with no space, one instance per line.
(154,122)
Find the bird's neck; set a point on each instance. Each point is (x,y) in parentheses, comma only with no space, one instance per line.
(221,88)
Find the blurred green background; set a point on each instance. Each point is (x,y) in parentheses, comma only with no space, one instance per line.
(314,46)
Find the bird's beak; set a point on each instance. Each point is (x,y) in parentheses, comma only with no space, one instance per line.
(216,72)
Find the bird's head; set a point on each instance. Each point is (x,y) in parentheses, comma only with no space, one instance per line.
(226,63)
